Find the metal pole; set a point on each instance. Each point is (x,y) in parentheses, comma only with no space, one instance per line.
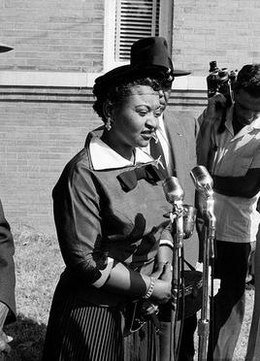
(176,263)
(174,195)
(208,255)
(204,183)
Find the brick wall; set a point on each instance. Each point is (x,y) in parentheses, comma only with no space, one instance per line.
(48,35)
(226,31)
(41,129)
(37,138)
(65,35)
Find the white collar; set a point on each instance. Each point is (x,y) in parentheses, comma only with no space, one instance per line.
(104,157)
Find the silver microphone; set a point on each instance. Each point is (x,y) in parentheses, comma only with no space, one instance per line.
(173,190)
(202,180)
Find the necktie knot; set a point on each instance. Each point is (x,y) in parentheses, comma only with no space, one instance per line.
(156,151)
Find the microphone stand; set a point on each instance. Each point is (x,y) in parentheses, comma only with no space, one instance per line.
(174,195)
(203,183)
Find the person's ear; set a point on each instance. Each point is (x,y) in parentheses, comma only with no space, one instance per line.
(107,109)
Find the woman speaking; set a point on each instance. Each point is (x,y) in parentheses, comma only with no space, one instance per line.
(110,215)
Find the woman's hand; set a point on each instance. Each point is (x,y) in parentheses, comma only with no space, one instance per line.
(159,269)
(163,284)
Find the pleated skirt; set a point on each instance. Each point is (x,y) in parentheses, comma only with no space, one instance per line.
(79,331)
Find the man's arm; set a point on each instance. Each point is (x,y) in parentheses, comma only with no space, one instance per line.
(209,122)
(7,273)
(247,186)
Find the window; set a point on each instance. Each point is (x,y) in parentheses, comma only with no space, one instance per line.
(134,19)
(129,20)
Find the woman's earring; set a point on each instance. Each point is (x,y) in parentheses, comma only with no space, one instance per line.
(108,124)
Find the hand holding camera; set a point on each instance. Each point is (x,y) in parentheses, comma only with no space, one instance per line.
(220,84)
(216,104)
(220,80)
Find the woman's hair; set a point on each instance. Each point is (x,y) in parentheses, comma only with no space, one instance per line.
(116,92)
(248,79)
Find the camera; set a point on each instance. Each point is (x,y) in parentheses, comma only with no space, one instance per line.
(220,80)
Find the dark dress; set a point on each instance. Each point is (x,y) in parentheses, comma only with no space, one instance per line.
(101,214)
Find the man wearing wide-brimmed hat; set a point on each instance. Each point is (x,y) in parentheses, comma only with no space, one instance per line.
(7,273)
(176,148)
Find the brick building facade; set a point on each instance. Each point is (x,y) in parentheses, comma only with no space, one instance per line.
(60,46)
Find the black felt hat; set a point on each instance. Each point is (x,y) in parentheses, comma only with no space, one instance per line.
(148,56)
(4,48)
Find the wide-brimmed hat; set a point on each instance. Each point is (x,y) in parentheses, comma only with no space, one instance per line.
(153,52)
(148,56)
(4,48)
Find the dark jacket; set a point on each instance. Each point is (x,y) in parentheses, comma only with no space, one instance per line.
(7,273)
(181,129)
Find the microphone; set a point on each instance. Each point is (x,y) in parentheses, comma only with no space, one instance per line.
(202,180)
(204,183)
(173,191)
(174,195)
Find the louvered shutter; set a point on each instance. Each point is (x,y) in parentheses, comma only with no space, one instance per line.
(134,19)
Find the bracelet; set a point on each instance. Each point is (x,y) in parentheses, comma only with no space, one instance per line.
(150,288)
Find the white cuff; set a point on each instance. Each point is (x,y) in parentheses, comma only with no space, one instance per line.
(104,273)
(166,242)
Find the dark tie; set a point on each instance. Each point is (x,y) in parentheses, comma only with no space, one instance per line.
(156,151)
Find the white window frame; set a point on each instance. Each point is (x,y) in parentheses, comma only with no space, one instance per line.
(165,30)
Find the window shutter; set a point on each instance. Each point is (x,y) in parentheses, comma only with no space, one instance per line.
(134,19)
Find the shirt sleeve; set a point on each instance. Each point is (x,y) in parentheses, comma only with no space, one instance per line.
(3,314)
(78,224)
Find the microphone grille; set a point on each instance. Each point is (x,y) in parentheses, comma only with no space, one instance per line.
(172,190)
(201,177)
